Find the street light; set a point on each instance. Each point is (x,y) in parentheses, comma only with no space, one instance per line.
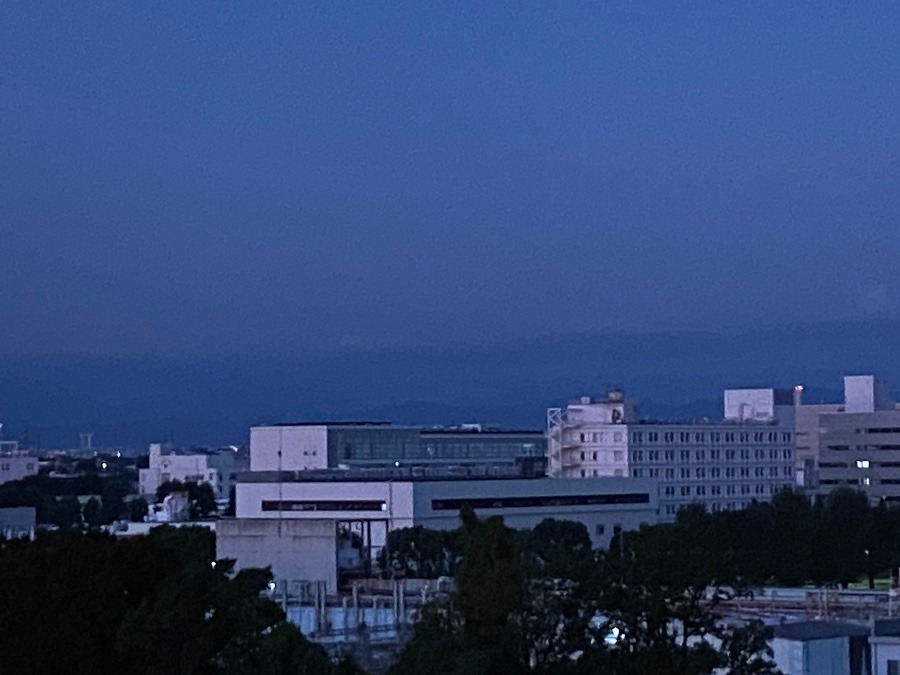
(869,571)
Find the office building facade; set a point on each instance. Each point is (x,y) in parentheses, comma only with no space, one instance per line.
(747,456)
(858,446)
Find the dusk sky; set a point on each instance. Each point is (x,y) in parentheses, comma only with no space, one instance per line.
(197,177)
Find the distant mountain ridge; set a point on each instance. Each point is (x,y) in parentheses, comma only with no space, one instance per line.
(131,400)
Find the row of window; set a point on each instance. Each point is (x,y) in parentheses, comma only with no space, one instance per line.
(6,467)
(672,509)
(531,502)
(862,448)
(744,455)
(711,436)
(618,456)
(715,472)
(717,490)
(730,455)
(862,481)
(600,437)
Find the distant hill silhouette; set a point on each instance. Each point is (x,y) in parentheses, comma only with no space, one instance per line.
(132,400)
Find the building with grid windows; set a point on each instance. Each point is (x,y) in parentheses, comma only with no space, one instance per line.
(858,444)
(747,456)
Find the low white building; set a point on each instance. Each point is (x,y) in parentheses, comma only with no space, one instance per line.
(216,469)
(17,467)
(284,518)
(820,648)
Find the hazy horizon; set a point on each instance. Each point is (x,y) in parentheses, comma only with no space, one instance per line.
(201,178)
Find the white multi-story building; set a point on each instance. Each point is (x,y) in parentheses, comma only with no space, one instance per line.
(216,469)
(723,465)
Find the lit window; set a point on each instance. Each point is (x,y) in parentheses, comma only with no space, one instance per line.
(862,464)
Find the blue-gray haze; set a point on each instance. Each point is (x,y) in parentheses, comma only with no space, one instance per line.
(238,183)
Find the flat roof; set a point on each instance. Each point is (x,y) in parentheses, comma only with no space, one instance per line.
(456,431)
(424,430)
(332,423)
(379,474)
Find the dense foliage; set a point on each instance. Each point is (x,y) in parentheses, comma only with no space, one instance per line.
(55,499)
(200,496)
(836,539)
(72,602)
(543,601)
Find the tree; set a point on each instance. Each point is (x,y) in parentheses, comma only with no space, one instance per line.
(112,502)
(201,499)
(91,513)
(137,510)
(67,513)
(475,631)
(418,552)
(746,651)
(556,548)
(792,537)
(490,583)
(843,521)
(149,604)
(231,509)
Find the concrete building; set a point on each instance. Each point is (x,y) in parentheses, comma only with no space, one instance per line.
(821,648)
(806,435)
(294,520)
(322,445)
(219,469)
(747,456)
(858,445)
(885,647)
(17,467)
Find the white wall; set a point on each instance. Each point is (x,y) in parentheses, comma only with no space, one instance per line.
(302,447)
(884,649)
(628,516)
(17,467)
(397,497)
(750,404)
(295,550)
(182,468)
(865,393)
(812,657)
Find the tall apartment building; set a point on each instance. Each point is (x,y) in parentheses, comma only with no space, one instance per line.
(858,445)
(724,465)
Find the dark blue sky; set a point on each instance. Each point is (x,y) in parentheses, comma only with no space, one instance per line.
(204,177)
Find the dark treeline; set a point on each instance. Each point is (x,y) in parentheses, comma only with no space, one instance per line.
(73,602)
(543,601)
(836,539)
(105,499)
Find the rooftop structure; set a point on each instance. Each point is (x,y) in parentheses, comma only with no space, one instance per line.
(325,445)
